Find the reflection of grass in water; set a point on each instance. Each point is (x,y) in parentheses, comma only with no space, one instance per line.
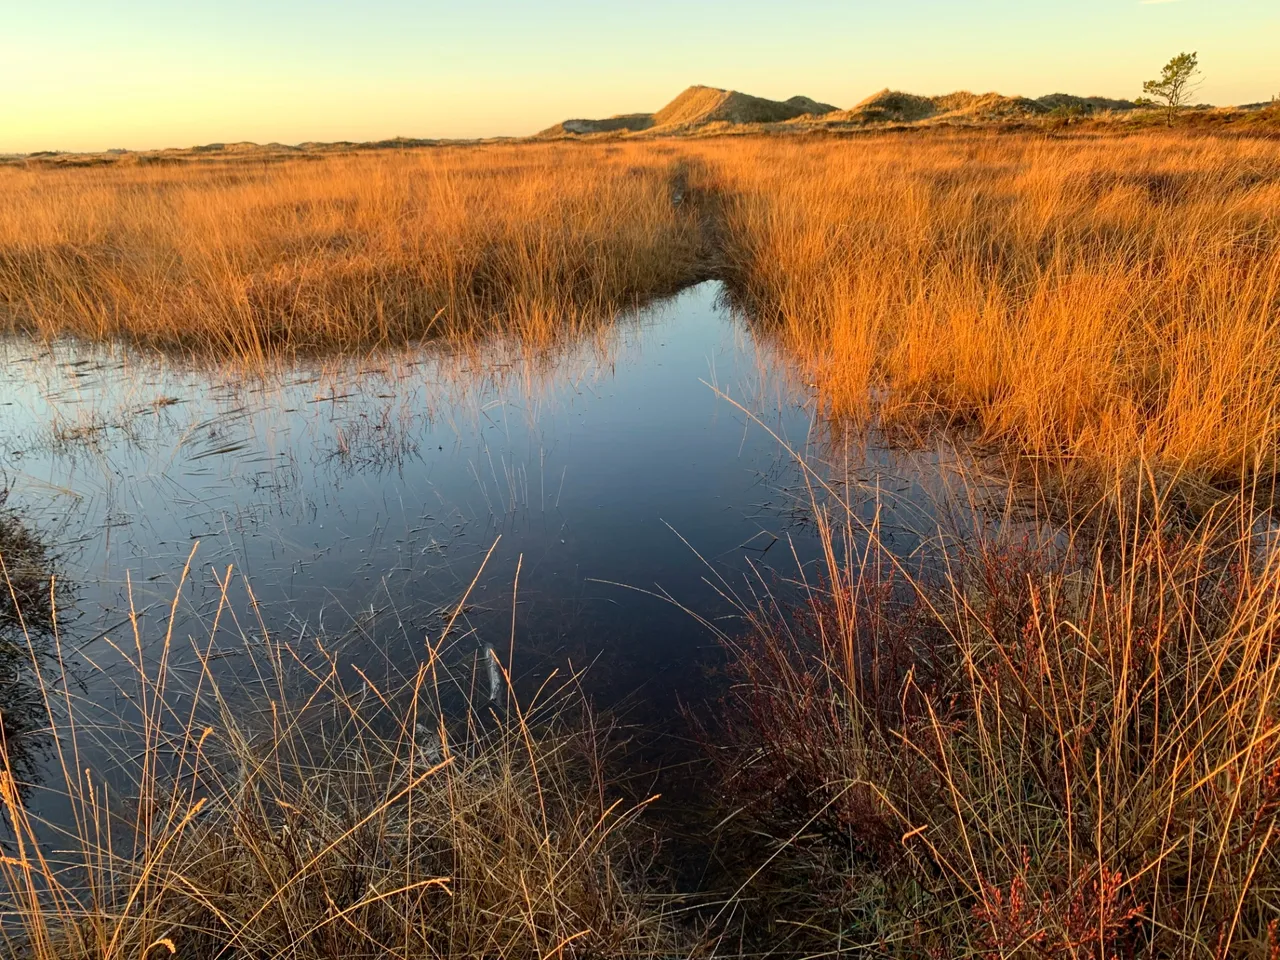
(91,395)
(330,417)
(310,812)
(26,619)
(25,599)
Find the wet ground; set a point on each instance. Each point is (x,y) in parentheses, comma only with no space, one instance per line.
(639,481)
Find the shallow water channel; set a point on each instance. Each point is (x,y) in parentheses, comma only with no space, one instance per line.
(637,478)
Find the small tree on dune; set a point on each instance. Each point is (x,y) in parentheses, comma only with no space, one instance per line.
(1178,80)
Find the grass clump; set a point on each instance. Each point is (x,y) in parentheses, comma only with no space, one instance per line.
(1054,748)
(300,814)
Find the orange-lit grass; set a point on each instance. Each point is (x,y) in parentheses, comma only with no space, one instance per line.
(341,253)
(1054,748)
(1083,301)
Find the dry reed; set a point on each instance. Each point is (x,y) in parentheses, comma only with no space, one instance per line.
(251,259)
(1058,746)
(291,807)
(1082,301)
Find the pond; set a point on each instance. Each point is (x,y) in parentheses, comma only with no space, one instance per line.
(642,482)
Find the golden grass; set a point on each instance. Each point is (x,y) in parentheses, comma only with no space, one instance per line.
(1083,301)
(1050,752)
(302,811)
(343,253)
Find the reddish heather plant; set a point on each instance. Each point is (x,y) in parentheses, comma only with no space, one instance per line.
(1094,917)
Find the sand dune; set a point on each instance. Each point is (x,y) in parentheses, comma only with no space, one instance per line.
(696,107)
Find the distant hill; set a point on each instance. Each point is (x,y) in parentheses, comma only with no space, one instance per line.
(1088,104)
(701,110)
(894,106)
(623,122)
(699,106)
(709,109)
(809,106)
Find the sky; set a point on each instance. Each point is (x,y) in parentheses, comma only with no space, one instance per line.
(141,74)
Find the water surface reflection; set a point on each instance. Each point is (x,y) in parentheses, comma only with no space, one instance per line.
(361,498)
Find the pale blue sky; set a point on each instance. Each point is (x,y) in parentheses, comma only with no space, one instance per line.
(80,75)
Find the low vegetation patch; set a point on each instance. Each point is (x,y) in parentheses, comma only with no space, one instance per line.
(27,590)
(26,565)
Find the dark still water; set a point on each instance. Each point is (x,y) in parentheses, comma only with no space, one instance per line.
(360,500)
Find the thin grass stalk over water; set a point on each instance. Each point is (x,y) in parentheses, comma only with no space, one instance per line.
(293,808)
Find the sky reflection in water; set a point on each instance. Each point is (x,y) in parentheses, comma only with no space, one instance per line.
(362,499)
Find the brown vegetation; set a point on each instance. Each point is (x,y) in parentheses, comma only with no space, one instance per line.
(25,569)
(300,814)
(27,591)
(1052,750)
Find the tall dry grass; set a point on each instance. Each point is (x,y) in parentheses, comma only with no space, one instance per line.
(1084,301)
(1053,751)
(1055,748)
(293,807)
(246,259)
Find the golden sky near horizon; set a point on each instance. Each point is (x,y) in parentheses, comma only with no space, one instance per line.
(147,73)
